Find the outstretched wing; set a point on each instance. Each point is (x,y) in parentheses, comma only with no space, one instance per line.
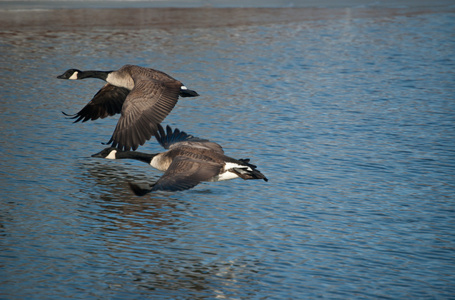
(172,139)
(185,173)
(108,101)
(148,103)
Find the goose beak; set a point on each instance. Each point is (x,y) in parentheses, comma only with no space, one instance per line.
(60,77)
(98,155)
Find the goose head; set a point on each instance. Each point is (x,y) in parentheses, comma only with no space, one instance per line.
(70,74)
(108,153)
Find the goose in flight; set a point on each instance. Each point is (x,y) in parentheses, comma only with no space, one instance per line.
(187,162)
(143,96)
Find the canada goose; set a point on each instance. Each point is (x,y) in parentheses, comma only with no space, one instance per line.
(187,161)
(143,96)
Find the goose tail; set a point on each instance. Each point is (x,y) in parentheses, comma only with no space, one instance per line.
(247,174)
(188,93)
(248,171)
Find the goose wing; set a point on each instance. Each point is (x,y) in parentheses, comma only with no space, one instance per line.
(108,101)
(174,139)
(148,103)
(185,173)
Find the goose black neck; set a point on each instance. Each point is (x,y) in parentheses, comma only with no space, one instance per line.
(145,157)
(93,74)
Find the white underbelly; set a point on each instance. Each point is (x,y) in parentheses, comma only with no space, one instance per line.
(228,175)
(224,176)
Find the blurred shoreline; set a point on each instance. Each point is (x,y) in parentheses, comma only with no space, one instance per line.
(66,15)
(75,4)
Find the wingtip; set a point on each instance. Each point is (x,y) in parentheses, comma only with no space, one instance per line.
(109,142)
(70,116)
(168,130)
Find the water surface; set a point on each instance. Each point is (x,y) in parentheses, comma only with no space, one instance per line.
(351,117)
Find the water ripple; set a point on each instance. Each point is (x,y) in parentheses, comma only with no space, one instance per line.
(351,119)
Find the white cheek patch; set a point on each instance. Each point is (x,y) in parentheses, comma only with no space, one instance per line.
(74,76)
(112,154)
(183,87)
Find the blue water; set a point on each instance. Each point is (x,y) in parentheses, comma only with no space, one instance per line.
(351,119)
